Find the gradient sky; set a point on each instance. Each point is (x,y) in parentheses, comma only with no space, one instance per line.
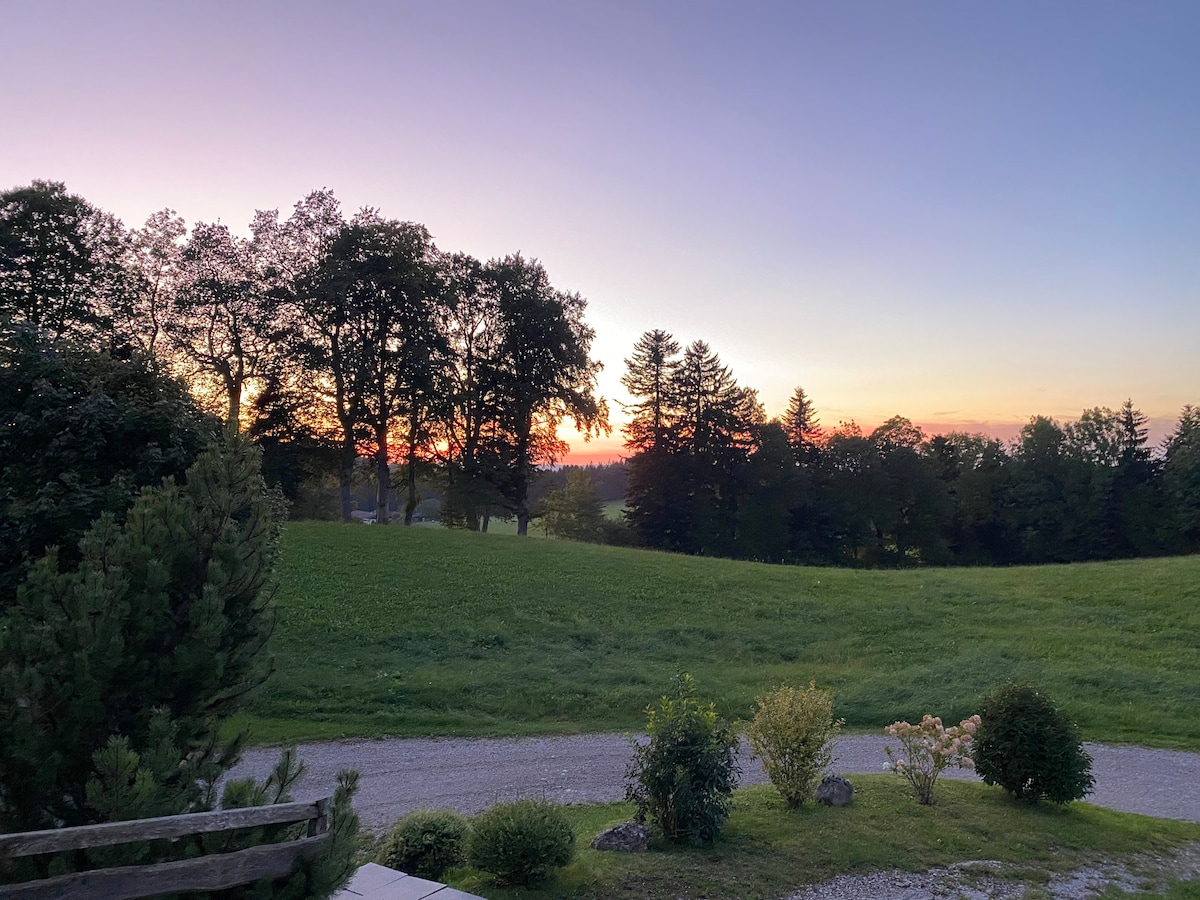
(964,213)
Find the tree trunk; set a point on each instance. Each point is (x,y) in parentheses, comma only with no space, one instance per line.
(410,505)
(521,476)
(233,389)
(383,475)
(345,475)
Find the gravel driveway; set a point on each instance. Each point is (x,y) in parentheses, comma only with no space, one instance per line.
(398,776)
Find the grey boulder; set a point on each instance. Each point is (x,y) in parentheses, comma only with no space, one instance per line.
(628,837)
(834,791)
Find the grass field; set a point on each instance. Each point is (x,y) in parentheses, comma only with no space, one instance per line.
(393,631)
(767,851)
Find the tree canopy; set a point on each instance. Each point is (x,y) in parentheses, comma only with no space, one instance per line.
(352,349)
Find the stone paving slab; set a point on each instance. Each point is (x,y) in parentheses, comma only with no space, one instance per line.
(376,882)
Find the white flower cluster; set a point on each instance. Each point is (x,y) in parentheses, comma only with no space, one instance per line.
(928,748)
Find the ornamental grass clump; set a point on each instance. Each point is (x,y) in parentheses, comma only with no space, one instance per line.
(793,732)
(1029,748)
(929,748)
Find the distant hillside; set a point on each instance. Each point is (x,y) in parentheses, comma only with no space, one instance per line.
(427,631)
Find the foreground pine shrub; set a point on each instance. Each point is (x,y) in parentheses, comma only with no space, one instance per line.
(425,843)
(682,779)
(793,732)
(520,842)
(1029,748)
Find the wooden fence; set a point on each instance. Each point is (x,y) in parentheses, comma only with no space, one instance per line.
(205,873)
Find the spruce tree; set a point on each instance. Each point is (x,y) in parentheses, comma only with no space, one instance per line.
(801,425)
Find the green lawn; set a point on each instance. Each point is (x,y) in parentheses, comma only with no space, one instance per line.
(614,509)
(394,631)
(767,851)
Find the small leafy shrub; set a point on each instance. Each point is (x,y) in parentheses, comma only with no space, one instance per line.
(424,843)
(681,780)
(1029,748)
(520,842)
(927,749)
(793,732)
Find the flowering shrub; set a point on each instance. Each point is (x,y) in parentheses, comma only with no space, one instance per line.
(927,749)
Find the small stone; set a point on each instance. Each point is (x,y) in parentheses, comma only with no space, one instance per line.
(628,837)
(834,791)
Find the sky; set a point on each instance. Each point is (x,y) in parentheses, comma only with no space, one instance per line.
(963,213)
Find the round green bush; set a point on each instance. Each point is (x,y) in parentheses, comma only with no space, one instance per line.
(1029,748)
(520,842)
(424,843)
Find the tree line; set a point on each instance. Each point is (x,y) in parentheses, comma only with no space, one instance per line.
(326,338)
(709,474)
(351,344)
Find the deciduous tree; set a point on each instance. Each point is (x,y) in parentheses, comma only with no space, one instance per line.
(543,374)
(574,511)
(225,321)
(59,262)
(371,307)
(84,432)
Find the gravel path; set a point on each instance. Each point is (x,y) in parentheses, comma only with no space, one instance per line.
(398,776)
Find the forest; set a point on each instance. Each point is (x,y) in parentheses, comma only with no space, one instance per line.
(352,348)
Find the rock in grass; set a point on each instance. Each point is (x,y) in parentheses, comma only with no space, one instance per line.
(628,837)
(834,791)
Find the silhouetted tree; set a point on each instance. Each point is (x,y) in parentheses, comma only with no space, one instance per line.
(152,262)
(976,471)
(801,425)
(371,309)
(468,413)
(650,376)
(770,486)
(59,262)
(224,320)
(1041,479)
(695,432)
(1181,481)
(543,375)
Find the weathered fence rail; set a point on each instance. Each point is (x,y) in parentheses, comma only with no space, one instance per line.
(205,873)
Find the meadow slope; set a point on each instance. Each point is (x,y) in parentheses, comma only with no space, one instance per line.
(393,631)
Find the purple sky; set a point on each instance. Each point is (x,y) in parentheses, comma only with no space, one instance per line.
(957,212)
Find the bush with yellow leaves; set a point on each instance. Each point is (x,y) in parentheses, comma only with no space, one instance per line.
(792,732)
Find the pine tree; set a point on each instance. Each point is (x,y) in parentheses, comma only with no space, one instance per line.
(118,674)
(156,637)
